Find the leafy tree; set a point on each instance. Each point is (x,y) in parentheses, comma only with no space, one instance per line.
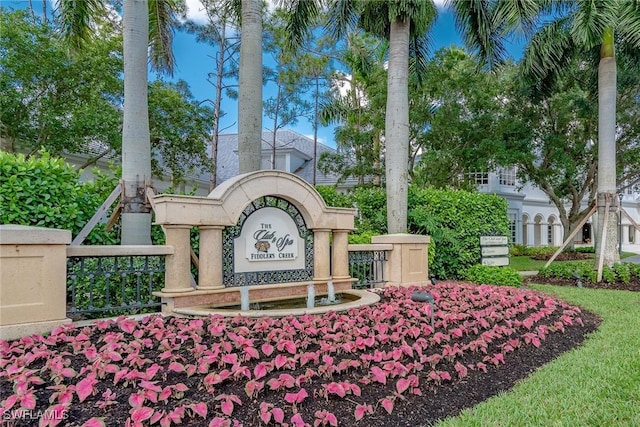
(217,33)
(357,102)
(405,24)
(567,160)
(288,104)
(595,29)
(457,119)
(179,128)
(52,100)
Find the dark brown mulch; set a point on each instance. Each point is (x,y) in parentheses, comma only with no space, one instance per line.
(564,256)
(633,285)
(450,399)
(436,403)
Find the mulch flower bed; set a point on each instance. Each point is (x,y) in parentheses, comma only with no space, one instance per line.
(380,365)
(633,285)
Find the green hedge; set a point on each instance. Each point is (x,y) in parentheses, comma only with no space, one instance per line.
(485,275)
(622,272)
(44,191)
(454,219)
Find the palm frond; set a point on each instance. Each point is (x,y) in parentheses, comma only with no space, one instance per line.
(628,25)
(75,19)
(419,48)
(344,16)
(548,53)
(301,15)
(475,20)
(591,19)
(519,15)
(162,21)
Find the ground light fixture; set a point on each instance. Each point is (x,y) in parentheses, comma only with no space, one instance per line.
(577,277)
(422,296)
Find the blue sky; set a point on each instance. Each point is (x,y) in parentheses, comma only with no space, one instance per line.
(193,65)
(194,62)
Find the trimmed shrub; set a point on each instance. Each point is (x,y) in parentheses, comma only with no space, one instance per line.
(518,250)
(332,197)
(485,275)
(584,270)
(45,191)
(454,219)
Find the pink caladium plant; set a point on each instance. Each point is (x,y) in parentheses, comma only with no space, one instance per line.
(168,370)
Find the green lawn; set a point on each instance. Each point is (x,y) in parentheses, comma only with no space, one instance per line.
(597,384)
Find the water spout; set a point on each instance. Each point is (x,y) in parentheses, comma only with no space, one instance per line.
(331,292)
(244,298)
(311,295)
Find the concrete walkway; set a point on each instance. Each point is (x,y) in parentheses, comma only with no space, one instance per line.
(632,248)
(634,259)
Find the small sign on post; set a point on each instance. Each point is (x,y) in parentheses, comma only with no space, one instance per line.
(494,251)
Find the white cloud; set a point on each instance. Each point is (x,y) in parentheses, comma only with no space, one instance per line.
(320,139)
(440,4)
(196,12)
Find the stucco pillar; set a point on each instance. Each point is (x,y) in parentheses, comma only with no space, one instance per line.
(407,263)
(531,233)
(178,265)
(210,267)
(340,255)
(33,280)
(321,255)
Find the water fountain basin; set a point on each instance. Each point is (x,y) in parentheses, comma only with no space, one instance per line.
(351,298)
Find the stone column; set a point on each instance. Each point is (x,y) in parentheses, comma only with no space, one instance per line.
(210,267)
(321,255)
(178,265)
(407,263)
(340,255)
(33,280)
(544,238)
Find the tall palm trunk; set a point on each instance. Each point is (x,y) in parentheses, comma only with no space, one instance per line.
(397,127)
(136,145)
(607,152)
(250,92)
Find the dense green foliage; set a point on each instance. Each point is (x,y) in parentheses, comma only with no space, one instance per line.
(485,275)
(522,250)
(454,219)
(52,99)
(72,104)
(44,191)
(584,271)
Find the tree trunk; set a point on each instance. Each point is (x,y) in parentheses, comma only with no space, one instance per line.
(316,108)
(397,127)
(607,153)
(250,90)
(213,182)
(136,145)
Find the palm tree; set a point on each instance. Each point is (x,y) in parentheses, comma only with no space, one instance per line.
(405,24)
(250,87)
(591,28)
(141,20)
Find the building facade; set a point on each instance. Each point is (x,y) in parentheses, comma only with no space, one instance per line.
(534,219)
